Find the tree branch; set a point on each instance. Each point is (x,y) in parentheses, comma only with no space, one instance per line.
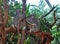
(6,12)
(54,13)
(48,12)
(24,28)
(3,39)
(1,17)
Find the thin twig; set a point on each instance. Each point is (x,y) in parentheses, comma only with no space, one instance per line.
(48,12)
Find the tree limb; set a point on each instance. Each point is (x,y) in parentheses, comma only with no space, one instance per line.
(6,12)
(24,28)
(54,13)
(1,17)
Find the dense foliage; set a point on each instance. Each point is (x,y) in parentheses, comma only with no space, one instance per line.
(37,11)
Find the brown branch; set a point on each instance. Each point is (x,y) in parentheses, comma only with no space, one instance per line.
(6,12)
(23,37)
(1,17)
(24,28)
(54,13)
(23,32)
(19,40)
(43,35)
(3,39)
(6,31)
(38,34)
(10,29)
(18,25)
